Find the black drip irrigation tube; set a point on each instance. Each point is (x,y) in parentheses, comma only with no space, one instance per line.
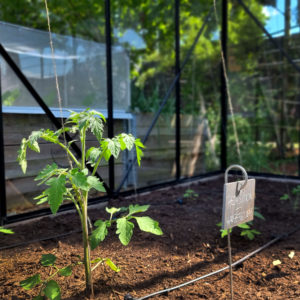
(282,236)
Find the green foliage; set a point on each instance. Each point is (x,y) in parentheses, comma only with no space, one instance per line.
(148,225)
(31,282)
(67,271)
(74,184)
(5,230)
(143,102)
(99,234)
(57,178)
(190,194)
(56,192)
(246,229)
(48,260)
(124,226)
(124,230)
(52,290)
(293,197)
(9,97)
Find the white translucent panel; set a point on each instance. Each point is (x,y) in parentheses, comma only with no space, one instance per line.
(80,66)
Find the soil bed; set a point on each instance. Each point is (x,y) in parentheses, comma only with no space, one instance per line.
(190,247)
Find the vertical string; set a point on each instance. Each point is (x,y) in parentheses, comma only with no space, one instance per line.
(228,92)
(56,80)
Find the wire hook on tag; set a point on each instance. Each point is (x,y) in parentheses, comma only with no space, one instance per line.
(245,176)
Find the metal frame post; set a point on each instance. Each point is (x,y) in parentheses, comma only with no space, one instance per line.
(109,84)
(224,105)
(2,165)
(177,87)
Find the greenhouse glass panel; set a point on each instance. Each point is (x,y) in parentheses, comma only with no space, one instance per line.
(146,31)
(264,88)
(200,91)
(21,189)
(80,66)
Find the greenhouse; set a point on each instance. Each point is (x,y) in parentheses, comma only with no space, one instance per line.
(134,135)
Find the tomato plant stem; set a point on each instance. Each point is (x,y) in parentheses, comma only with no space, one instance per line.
(86,249)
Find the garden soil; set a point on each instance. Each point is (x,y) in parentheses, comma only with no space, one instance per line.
(190,247)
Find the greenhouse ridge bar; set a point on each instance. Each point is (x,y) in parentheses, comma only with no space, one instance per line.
(174,83)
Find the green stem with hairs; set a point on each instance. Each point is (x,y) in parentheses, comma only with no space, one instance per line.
(86,247)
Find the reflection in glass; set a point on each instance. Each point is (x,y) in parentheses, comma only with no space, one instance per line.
(146,32)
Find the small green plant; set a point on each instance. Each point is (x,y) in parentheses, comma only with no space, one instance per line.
(74,184)
(5,230)
(190,194)
(246,228)
(294,197)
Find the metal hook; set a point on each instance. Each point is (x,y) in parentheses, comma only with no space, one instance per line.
(244,172)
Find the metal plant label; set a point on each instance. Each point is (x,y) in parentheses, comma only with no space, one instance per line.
(238,204)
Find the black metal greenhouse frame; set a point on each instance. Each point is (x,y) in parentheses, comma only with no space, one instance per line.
(175,85)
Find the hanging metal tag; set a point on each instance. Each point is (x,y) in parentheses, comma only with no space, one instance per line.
(238,200)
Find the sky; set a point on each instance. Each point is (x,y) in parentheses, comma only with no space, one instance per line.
(275,24)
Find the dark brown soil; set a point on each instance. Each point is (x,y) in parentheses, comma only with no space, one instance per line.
(190,247)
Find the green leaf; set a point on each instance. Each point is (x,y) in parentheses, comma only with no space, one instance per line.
(5,230)
(285,197)
(30,282)
(79,179)
(244,226)
(99,234)
(22,155)
(248,234)
(124,230)
(112,265)
(55,192)
(138,150)
(256,231)
(149,225)
(67,271)
(97,113)
(296,190)
(224,232)
(96,260)
(52,290)
(259,215)
(39,297)
(219,224)
(48,259)
(50,136)
(110,147)
(112,210)
(42,200)
(96,127)
(95,183)
(134,209)
(46,172)
(93,154)
(126,141)
(32,140)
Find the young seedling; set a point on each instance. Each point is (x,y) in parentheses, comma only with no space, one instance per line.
(294,197)
(74,184)
(190,194)
(246,229)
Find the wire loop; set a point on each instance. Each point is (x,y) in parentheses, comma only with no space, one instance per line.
(240,168)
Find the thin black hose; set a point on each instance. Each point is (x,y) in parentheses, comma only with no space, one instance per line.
(284,235)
